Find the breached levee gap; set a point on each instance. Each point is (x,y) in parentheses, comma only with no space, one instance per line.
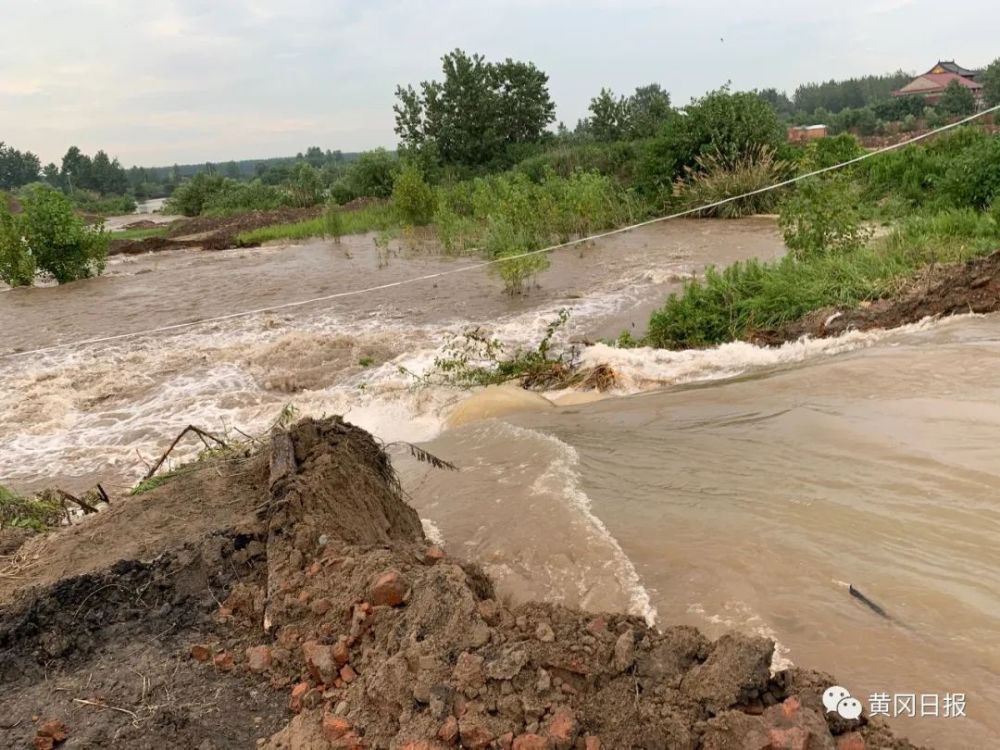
(318,616)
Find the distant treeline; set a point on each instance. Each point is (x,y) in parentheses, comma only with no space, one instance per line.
(483,117)
(835,96)
(158,182)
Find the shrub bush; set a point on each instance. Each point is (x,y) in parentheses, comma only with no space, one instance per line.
(49,236)
(189,198)
(828,152)
(413,197)
(333,221)
(17,265)
(713,180)
(972,178)
(371,176)
(231,196)
(305,186)
(822,216)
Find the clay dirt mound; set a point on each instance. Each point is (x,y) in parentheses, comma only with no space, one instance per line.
(321,618)
(220,232)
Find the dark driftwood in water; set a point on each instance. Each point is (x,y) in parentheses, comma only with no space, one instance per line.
(190,428)
(103,494)
(868,602)
(87,507)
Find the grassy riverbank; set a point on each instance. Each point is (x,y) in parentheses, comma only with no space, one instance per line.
(335,222)
(833,259)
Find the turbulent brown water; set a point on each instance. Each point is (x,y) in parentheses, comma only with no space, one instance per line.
(730,488)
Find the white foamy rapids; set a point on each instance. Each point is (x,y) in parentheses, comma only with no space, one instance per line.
(643,368)
(432,532)
(561,478)
(81,411)
(738,615)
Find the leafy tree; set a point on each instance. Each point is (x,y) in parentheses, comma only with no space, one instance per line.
(51,175)
(189,198)
(730,125)
(372,175)
(779,100)
(609,116)
(17,168)
(106,176)
(54,238)
(315,157)
(957,100)
(991,83)
(100,174)
(649,108)
(477,113)
(76,168)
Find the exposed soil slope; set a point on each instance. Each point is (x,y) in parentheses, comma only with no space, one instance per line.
(212,232)
(323,619)
(973,286)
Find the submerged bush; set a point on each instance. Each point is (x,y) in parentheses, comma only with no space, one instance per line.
(333,221)
(413,197)
(822,216)
(714,179)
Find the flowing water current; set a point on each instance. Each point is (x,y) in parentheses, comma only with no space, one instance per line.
(731,488)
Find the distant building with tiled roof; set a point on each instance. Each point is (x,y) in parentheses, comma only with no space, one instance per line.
(932,84)
(950,66)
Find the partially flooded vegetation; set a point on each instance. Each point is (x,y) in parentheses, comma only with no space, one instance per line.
(266,578)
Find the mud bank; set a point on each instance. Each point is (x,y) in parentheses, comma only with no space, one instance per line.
(220,232)
(973,287)
(211,232)
(290,600)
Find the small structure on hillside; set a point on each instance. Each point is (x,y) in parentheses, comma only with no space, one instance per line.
(932,84)
(805,133)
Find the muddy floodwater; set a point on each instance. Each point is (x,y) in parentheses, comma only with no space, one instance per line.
(735,487)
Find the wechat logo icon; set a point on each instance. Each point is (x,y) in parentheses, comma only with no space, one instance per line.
(837,699)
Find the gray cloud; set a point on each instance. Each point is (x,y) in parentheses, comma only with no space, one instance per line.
(191,80)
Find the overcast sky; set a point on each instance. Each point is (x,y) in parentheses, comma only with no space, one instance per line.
(193,80)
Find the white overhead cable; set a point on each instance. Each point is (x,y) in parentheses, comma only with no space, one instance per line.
(483,264)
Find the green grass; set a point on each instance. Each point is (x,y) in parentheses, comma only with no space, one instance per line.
(37,513)
(733,303)
(148,485)
(139,234)
(379,217)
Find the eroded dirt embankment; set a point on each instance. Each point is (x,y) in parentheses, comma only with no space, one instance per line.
(971,287)
(290,600)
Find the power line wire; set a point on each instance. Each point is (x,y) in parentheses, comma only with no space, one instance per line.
(484,264)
